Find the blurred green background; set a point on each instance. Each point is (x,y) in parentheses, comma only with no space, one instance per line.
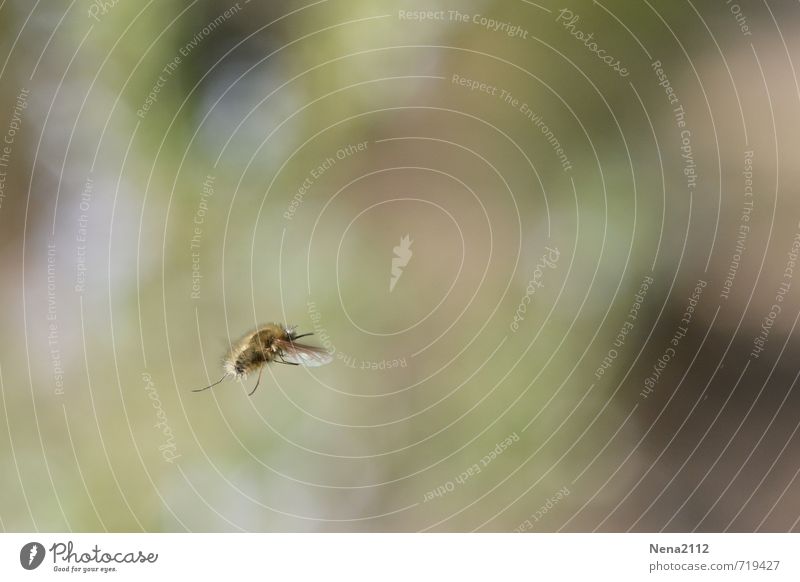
(184,172)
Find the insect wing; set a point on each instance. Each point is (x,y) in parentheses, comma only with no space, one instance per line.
(304,355)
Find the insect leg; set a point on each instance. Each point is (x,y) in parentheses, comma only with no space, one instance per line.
(302,335)
(282,361)
(261,369)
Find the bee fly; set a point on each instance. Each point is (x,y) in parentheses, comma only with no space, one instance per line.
(269,343)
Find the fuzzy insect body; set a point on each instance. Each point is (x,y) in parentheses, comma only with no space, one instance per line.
(269,343)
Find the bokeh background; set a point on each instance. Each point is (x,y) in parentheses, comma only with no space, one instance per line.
(592,328)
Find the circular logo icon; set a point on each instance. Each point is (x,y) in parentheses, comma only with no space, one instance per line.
(31,555)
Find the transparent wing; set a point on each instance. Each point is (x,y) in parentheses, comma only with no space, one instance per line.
(302,354)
